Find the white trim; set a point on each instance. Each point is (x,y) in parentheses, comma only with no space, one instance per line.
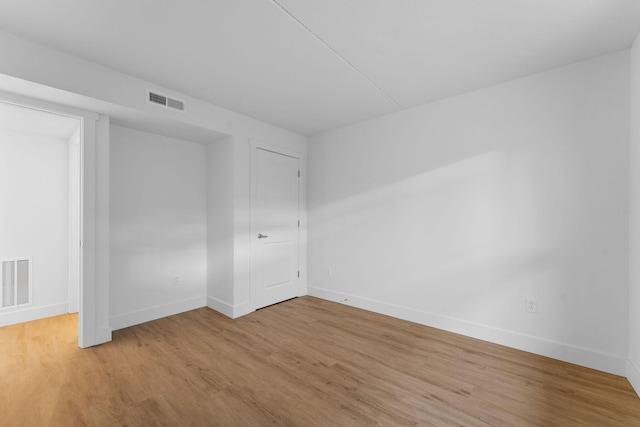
(27,314)
(101,190)
(103,335)
(302,232)
(633,375)
(148,314)
(231,311)
(243,309)
(87,300)
(48,107)
(254,145)
(220,306)
(556,350)
(74,221)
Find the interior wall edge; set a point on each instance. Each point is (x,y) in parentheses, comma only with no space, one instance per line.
(243,309)
(103,335)
(633,375)
(589,358)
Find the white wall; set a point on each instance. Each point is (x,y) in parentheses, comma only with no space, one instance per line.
(452,213)
(25,69)
(220,226)
(31,62)
(158,226)
(633,367)
(34,194)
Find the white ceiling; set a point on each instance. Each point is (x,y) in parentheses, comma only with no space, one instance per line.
(314,65)
(20,119)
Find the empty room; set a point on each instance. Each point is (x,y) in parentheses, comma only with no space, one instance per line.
(320,213)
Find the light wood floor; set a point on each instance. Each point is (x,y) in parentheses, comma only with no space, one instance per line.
(304,362)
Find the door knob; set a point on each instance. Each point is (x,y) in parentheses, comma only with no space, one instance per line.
(262,236)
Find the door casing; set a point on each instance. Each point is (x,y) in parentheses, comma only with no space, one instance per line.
(94,224)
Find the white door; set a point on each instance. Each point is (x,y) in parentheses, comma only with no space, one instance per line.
(276,228)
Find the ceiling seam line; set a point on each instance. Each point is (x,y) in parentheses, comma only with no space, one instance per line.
(335,52)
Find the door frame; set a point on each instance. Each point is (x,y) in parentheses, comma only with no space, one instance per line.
(255,145)
(94,218)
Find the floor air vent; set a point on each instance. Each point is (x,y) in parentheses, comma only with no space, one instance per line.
(16,283)
(165,101)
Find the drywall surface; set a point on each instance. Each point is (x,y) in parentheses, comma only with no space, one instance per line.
(220,226)
(158,226)
(34,194)
(84,84)
(453,213)
(30,61)
(633,370)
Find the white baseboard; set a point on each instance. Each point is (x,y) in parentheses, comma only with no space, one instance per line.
(633,375)
(100,336)
(141,316)
(577,355)
(232,311)
(103,335)
(242,309)
(28,314)
(220,306)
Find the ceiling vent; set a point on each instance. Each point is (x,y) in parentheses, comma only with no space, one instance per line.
(165,101)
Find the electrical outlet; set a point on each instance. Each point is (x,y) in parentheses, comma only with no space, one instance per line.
(531,305)
(327,271)
(176,281)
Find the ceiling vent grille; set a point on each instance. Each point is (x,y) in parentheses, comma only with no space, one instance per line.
(165,101)
(174,103)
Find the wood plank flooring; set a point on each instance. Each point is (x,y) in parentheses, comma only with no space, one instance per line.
(304,362)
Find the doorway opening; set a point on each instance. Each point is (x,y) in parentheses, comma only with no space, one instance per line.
(40,213)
